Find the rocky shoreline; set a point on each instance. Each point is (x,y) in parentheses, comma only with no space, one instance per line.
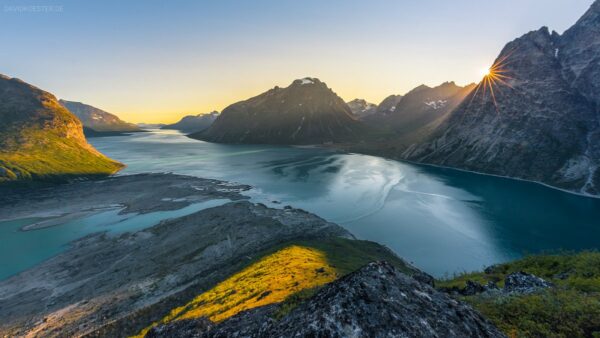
(141,193)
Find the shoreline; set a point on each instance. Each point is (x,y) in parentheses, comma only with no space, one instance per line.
(571,192)
(341,148)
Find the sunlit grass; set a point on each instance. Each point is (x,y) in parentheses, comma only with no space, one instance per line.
(289,273)
(270,280)
(46,155)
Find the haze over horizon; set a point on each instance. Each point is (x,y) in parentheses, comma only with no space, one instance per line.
(155,62)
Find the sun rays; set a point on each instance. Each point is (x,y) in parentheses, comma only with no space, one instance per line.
(494,77)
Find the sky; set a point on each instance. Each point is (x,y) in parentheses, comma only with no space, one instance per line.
(156,61)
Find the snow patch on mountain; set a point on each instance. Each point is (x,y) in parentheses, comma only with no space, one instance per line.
(437,104)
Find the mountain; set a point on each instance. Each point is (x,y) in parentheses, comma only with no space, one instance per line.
(361,108)
(39,138)
(194,123)
(421,109)
(306,112)
(536,116)
(375,301)
(97,119)
(388,105)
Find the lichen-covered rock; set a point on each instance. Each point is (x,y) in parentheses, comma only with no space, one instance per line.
(522,282)
(181,328)
(375,301)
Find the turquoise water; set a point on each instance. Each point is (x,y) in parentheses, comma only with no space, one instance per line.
(443,220)
(23,249)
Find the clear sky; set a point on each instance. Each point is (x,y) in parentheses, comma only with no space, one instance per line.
(155,61)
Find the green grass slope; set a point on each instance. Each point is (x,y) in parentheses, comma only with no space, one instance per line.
(571,309)
(40,139)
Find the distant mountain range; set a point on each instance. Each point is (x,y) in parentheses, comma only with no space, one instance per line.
(420,110)
(361,108)
(306,112)
(98,121)
(388,105)
(364,110)
(193,123)
(39,138)
(536,116)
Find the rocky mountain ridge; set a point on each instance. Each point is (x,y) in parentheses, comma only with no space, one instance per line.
(536,116)
(388,105)
(306,112)
(97,119)
(375,301)
(420,111)
(361,108)
(40,139)
(193,123)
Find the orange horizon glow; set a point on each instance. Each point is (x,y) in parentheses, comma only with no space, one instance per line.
(171,108)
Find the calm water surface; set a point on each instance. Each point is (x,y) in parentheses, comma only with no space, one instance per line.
(442,220)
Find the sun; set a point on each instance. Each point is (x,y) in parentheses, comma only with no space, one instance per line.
(486,72)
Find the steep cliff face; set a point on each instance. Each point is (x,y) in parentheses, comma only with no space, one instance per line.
(534,117)
(306,112)
(39,138)
(375,301)
(98,119)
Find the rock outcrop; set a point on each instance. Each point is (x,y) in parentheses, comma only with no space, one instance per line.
(306,112)
(536,116)
(40,139)
(375,301)
(522,282)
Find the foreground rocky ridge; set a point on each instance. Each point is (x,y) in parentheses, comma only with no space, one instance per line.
(376,301)
(540,120)
(115,285)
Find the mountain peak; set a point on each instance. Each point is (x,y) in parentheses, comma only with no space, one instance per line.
(307,81)
(306,112)
(36,124)
(541,123)
(419,88)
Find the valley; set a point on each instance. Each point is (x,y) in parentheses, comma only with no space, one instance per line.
(256,201)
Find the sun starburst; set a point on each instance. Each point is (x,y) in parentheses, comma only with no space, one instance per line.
(493,77)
